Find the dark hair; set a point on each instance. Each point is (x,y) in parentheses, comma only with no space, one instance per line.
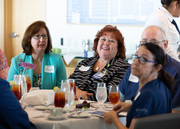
(168,2)
(30,32)
(159,57)
(118,36)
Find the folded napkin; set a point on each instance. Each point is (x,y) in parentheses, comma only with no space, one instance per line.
(39,97)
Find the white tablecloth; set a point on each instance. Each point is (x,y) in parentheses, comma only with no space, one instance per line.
(68,123)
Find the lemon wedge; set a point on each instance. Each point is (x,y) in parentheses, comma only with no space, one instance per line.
(11,82)
(56,88)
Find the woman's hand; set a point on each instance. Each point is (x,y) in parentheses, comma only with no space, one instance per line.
(110,117)
(82,94)
(121,106)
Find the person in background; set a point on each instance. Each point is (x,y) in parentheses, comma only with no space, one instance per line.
(153,95)
(12,115)
(130,83)
(36,43)
(3,66)
(179,52)
(108,65)
(163,17)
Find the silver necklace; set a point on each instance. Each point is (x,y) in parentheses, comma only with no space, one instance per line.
(97,68)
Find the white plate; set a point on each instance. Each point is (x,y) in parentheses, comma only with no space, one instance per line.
(55,118)
(81,115)
(43,107)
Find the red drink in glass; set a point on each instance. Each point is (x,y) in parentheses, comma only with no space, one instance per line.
(59,99)
(28,80)
(16,89)
(73,85)
(114,97)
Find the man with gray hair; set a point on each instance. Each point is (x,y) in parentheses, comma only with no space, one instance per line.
(130,83)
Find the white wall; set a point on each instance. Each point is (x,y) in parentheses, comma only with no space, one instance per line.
(73,34)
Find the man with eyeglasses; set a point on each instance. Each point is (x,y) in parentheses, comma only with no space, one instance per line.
(130,83)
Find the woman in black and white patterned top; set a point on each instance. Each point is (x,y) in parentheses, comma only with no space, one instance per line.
(107,66)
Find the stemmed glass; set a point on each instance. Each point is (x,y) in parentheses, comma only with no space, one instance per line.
(101,93)
(69,94)
(114,94)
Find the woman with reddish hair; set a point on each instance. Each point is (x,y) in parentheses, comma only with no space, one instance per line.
(107,66)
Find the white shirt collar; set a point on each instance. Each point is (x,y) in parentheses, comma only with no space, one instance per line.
(170,17)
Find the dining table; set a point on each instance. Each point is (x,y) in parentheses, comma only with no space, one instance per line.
(39,116)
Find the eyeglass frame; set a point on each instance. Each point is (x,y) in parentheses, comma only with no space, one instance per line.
(140,59)
(155,42)
(44,36)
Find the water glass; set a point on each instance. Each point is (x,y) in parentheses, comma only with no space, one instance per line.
(69,94)
(101,93)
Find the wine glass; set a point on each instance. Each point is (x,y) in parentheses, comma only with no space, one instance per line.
(101,93)
(114,94)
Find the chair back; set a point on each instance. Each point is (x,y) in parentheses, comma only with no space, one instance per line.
(161,121)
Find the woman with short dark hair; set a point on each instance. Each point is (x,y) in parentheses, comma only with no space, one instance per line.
(36,43)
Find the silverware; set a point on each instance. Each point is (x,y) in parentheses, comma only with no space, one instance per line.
(40,116)
(77,112)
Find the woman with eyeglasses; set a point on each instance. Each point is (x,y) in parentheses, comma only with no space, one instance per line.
(153,96)
(36,43)
(164,18)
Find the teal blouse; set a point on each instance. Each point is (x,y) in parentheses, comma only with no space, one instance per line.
(53,69)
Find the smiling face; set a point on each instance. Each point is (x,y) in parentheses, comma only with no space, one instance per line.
(143,70)
(107,46)
(39,45)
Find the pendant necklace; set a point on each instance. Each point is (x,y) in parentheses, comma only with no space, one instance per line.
(97,68)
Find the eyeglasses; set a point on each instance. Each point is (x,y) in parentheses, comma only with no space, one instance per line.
(142,60)
(39,36)
(151,41)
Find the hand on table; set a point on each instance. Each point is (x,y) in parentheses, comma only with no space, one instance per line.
(121,106)
(82,94)
(109,117)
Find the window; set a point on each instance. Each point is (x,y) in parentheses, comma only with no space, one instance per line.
(124,12)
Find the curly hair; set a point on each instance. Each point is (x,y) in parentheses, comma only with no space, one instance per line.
(118,36)
(30,32)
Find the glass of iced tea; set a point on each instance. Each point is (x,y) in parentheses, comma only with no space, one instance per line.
(16,87)
(114,94)
(73,86)
(28,81)
(59,99)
